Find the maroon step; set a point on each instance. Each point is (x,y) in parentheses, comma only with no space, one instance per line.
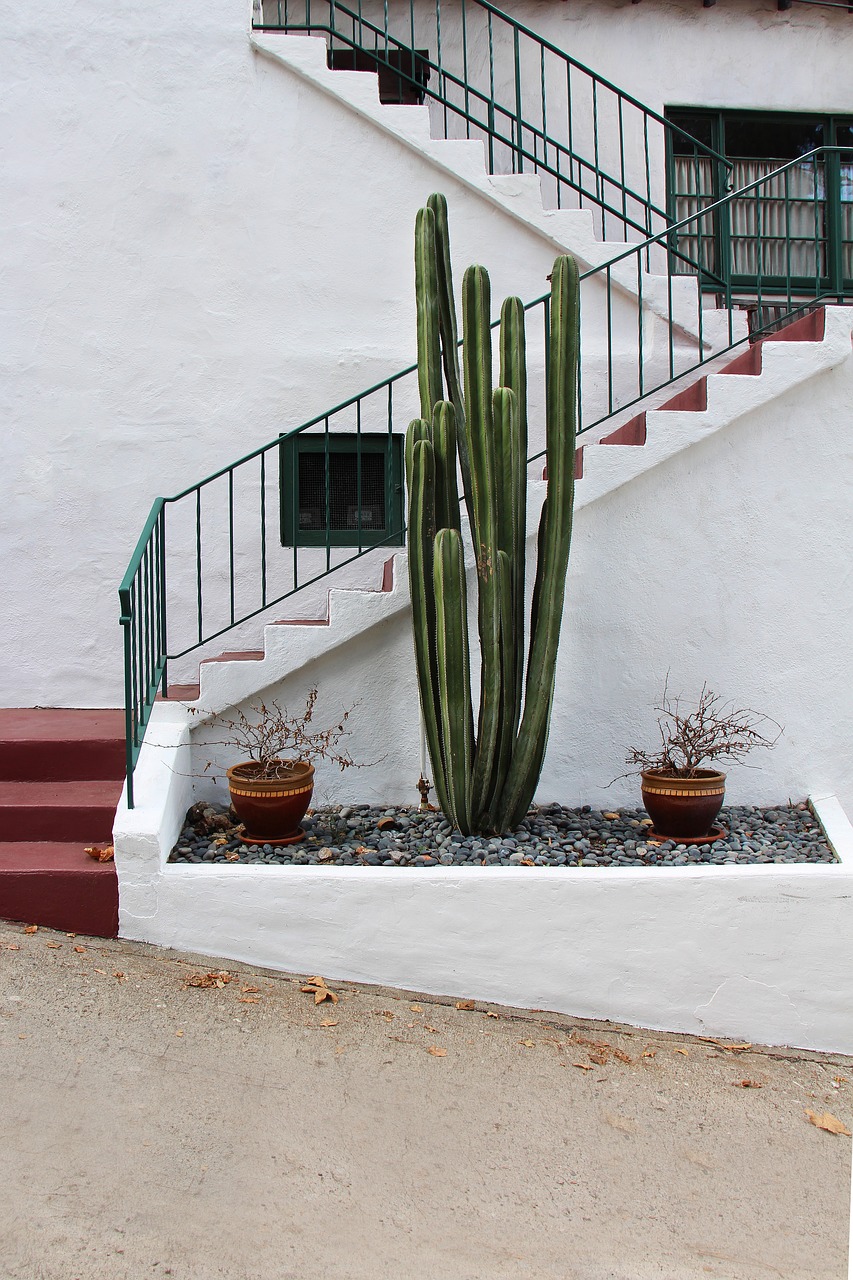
(182,692)
(58,744)
(809,328)
(77,810)
(748,362)
(58,885)
(631,432)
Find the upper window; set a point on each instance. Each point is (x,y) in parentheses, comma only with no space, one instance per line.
(786,232)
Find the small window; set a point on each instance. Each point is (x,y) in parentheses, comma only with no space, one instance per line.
(344,490)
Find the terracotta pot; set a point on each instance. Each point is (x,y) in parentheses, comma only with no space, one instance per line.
(271,809)
(683,808)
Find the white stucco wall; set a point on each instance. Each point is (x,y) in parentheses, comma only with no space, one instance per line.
(201,250)
(715,553)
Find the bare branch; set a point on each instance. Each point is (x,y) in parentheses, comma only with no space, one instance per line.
(715,730)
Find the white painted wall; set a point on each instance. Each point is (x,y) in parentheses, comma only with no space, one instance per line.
(761,953)
(715,552)
(202,249)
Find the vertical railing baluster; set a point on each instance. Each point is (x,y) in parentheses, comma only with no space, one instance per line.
(358,467)
(198,559)
(595,155)
(544,107)
(328,492)
(465,70)
(231,580)
(640,364)
(491,94)
(263,514)
(570,123)
(608,286)
(519,140)
(161,620)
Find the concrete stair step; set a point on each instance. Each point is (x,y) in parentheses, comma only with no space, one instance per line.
(57,884)
(57,744)
(80,810)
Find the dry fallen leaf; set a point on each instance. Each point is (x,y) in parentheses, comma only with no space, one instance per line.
(56,945)
(250,991)
(232,856)
(103,971)
(436,1052)
(249,1000)
(179,1033)
(600,1059)
(117,973)
(31,928)
(105,854)
(584,1066)
(464,1004)
(729,1048)
(219,980)
(686,1052)
(329,1022)
(416,1008)
(80,950)
(317,987)
(828,1122)
(648,1053)
(528,1044)
(491,1015)
(13,946)
(747,1084)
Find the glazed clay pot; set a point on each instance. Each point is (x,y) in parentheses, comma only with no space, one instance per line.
(271,809)
(683,808)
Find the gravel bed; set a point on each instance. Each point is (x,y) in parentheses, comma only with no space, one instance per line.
(551,836)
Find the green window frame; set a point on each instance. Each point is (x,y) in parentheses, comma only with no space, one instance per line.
(693,184)
(341,489)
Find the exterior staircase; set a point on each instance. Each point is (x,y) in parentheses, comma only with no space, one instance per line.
(706,404)
(61,775)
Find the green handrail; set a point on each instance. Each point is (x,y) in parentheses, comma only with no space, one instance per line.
(198,566)
(555,116)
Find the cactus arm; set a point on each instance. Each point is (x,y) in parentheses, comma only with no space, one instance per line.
(421,532)
(454,676)
(477,366)
(447,329)
(554,539)
(444,444)
(428,316)
(514,541)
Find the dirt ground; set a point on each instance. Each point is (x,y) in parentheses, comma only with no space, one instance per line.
(240,1129)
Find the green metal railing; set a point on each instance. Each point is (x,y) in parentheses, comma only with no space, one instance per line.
(536,109)
(223,562)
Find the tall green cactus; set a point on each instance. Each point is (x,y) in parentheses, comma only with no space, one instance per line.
(485,783)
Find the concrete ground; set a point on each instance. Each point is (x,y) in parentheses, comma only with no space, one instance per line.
(152,1128)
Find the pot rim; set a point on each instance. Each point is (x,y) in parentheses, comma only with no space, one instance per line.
(701,775)
(298,771)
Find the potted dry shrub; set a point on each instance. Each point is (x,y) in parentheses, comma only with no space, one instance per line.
(271,789)
(682,797)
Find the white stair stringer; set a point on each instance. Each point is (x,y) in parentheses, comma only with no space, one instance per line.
(672,299)
(290,647)
(785,365)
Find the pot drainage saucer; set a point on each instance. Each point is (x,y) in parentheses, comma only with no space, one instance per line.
(298,835)
(716,833)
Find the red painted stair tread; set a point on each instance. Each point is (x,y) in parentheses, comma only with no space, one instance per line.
(58,885)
